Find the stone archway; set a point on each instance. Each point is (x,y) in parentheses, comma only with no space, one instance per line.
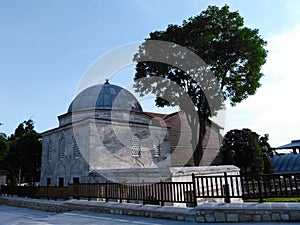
(61,175)
(75,173)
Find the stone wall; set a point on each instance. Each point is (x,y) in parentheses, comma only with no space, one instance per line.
(248,212)
(101,144)
(3,179)
(207,212)
(180,141)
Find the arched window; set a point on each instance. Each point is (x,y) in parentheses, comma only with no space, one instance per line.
(62,145)
(49,151)
(136,146)
(156,147)
(156,152)
(76,151)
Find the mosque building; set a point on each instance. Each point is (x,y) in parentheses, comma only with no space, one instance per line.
(105,130)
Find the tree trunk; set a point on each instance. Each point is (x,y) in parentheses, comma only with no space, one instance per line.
(198,152)
(198,127)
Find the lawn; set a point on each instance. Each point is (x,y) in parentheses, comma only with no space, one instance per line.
(285,199)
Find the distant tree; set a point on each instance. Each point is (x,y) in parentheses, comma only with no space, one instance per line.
(23,160)
(232,52)
(248,151)
(4,146)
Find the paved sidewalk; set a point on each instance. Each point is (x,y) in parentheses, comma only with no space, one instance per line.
(21,216)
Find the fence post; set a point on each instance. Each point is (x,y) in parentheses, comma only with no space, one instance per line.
(260,195)
(194,190)
(227,195)
(106,191)
(144,197)
(68,190)
(121,193)
(162,190)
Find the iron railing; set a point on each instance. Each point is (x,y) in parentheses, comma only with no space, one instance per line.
(271,185)
(49,192)
(148,193)
(221,186)
(224,187)
(151,193)
(247,186)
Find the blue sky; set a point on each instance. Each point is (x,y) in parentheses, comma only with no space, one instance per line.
(46,47)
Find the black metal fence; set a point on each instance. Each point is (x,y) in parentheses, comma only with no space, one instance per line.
(247,186)
(271,185)
(221,186)
(153,193)
(49,192)
(225,187)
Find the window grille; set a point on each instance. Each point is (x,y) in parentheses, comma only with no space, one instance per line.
(156,153)
(49,151)
(62,148)
(136,145)
(76,151)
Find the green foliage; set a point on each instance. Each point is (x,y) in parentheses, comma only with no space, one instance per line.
(23,156)
(233,53)
(4,146)
(248,151)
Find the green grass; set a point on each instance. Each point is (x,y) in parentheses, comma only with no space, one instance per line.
(285,199)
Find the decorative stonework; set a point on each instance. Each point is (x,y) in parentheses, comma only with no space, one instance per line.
(136,146)
(62,146)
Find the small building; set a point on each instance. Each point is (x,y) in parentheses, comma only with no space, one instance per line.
(294,146)
(3,176)
(284,164)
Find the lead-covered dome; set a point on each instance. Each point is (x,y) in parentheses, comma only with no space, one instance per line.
(289,163)
(105,97)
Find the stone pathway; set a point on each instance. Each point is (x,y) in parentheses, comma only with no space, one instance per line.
(22,216)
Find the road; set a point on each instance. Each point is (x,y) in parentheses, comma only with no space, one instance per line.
(22,216)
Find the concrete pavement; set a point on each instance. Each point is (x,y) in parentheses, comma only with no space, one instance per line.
(16,216)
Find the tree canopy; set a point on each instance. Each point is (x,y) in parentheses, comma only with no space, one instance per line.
(4,146)
(248,151)
(22,157)
(228,63)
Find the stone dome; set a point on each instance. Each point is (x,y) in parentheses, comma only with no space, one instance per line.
(105,97)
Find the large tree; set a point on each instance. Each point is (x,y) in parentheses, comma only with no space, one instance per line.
(232,57)
(23,159)
(248,151)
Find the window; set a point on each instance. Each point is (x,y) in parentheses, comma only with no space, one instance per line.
(49,151)
(155,150)
(136,145)
(48,181)
(62,145)
(76,151)
(60,181)
(76,180)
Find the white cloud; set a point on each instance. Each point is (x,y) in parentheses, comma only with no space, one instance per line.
(274,108)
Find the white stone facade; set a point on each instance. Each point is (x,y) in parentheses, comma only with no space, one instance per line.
(101,144)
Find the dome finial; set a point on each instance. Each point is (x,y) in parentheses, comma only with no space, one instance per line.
(106,81)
